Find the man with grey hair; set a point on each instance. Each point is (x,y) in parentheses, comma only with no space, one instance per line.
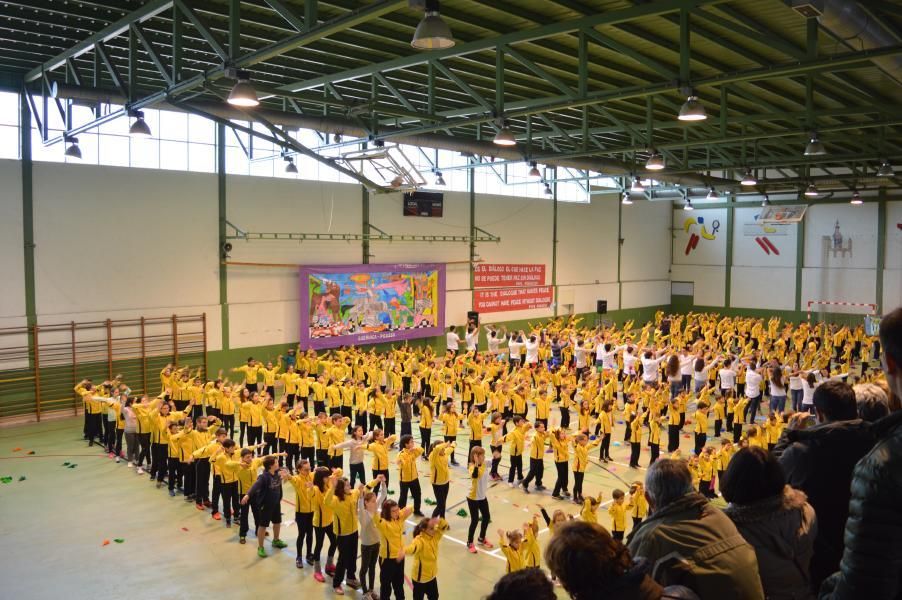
(690,542)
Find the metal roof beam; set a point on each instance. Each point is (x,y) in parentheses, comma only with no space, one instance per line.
(151,9)
(286,13)
(529,35)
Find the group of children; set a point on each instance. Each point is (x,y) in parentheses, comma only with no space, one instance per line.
(351,400)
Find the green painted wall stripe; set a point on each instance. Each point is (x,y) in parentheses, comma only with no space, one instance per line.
(27,211)
(800,262)
(223,269)
(728,274)
(881,247)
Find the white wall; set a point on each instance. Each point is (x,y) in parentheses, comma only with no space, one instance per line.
(892,275)
(12,267)
(117,243)
(645,253)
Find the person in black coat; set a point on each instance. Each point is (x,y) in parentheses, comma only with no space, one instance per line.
(819,461)
(872,562)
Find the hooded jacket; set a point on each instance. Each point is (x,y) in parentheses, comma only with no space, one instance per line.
(690,542)
(637,584)
(819,461)
(782,531)
(872,562)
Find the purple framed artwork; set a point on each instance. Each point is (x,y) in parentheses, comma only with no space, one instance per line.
(370,304)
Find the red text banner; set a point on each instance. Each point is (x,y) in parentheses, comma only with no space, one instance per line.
(517,298)
(487,275)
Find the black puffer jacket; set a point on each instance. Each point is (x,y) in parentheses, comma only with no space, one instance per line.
(872,562)
(819,461)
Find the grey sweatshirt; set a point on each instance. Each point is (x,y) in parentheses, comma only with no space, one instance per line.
(356,447)
(369,534)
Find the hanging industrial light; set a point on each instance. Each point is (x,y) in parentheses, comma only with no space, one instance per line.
(885,170)
(290,167)
(811,190)
(814,147)
(626,198)
(655,161)
(856,198)
(712,194)
(505,137)
(243,93)
(637,186)
(548,190)
(766,201)
(73,151)
(397,181)
(432,33)
(337,138)
(688,205)
(439,180)
(692,110)
(139,127)
(534,171)
(749,178)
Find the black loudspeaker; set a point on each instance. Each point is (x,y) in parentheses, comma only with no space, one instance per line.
(473,317)
(602,307)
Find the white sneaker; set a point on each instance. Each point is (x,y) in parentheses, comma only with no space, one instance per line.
(131,465)
(140,470)
(117,460)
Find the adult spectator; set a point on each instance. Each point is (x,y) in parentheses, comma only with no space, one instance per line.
(688,541)
(529,583)
(452,340)
(819,460)
(590,564)
(872,401)
(872,562)
(775,519)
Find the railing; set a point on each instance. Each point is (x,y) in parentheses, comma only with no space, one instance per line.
(40,365)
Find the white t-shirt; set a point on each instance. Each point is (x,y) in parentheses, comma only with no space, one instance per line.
(494,343)
(727,379)
(807,393)
(579,353)
(629,363)
(472,339)
(532,352)
(516,348)
(795,383)
(686,364)
(650,368)
(752,384)
(452,340)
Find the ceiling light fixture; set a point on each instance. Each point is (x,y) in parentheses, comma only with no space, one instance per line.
(749,178)
(885,170)
(73,151)
(534,171)
(243,93)
(432,33)
(637,186)
(655,161)
(139,128)
(712,194)
(337,138)
(766,201)
(439,180)
(290,167)
(692,110)
(626,198)
(814,147)
(856,198)
(811,190)
(548,190)
(397,181)
(504,137)
(688,205)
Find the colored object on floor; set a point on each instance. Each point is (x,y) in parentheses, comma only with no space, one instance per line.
(119,540)
(462,513)
(105,543)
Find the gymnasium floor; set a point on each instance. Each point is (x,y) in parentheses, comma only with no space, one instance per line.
(55,522)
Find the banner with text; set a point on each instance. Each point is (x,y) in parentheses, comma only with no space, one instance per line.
(497,275)
(516,298)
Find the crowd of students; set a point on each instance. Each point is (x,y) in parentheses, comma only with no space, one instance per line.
(556,389)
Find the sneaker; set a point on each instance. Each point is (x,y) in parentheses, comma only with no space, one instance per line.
(330,570)
(485,543)
(525,487)
(111,455)
(140,470)
(299,562)
(279,544)
(540,488)
(159,484)
(242,540)
(261,552)
(353,584)
(199,506)
(310,560)
(172,493)
(117,460)
(188,499)
(217,516)
(207,503)
(228,524)
(471,548)
(565,494)
(131,465)
(556,496)
(319,577)
(416,513)
(339,590)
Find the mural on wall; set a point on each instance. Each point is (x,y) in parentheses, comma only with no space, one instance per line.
(841,236)
(763,233)
(835,244)
(758,242)
(698,230)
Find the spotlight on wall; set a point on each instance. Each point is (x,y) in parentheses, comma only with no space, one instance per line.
(139,127)
(548,190)
(626,198)
(432,33)
(688,205)
(243,93)
(766,201)
(439,180)
(73,151)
